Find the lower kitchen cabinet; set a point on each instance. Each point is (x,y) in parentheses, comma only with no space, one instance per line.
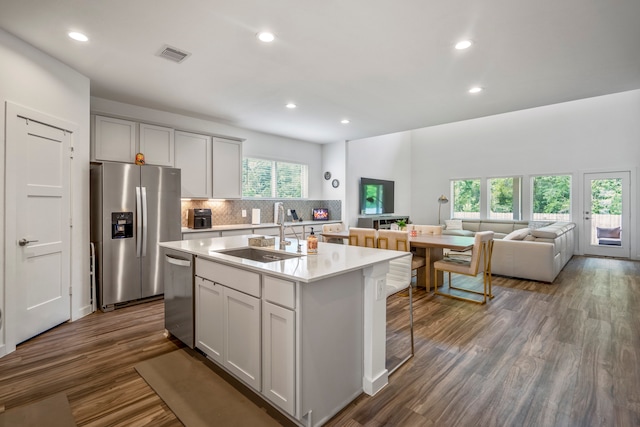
(278,352)
(228,321)
(242,336)
(209,318)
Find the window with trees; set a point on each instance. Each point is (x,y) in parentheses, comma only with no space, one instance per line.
(262,178)
(504,198)
(551,197)
(466,198)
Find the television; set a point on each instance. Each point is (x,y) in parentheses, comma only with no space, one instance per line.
(376,196)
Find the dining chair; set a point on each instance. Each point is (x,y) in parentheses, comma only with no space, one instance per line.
(399,276)
(399,241)
(363,237)
(332,228)
(480,262)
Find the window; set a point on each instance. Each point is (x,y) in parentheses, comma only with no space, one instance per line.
(504,198)
(551,197)
(466,198)
(273,179)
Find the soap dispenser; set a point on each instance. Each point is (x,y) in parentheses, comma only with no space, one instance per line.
(312,243)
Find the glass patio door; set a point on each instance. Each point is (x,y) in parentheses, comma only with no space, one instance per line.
(606,214)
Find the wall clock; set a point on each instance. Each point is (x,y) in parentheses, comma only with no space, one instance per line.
(335,183)
(327,175)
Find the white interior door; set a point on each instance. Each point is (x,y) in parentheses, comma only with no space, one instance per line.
(606,214)
(37,225)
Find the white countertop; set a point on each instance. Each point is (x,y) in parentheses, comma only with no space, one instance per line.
(257,226)
(331,260)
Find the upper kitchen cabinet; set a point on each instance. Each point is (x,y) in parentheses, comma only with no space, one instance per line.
(227,169)
(113,140)
(193,158)
(157,145)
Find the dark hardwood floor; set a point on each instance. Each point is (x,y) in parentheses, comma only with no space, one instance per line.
(566,354)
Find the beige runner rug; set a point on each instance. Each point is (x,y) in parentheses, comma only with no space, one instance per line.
(197,395)
(53,411)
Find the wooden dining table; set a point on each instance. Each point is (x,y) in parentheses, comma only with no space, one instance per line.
(431,247)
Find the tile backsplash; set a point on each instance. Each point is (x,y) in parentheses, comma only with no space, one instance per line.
(226,212)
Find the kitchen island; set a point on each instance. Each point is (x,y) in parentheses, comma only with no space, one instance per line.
(307,332)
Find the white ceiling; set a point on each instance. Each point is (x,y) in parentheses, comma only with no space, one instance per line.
(385,65)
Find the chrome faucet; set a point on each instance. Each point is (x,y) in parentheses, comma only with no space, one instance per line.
(283,242)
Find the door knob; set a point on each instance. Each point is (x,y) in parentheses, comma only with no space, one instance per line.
(25,242)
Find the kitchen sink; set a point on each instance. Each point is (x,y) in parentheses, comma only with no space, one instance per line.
(259,255)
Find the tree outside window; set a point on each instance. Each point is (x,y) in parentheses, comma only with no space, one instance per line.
(263,178)
(504,196)
(466,198)
(551,197)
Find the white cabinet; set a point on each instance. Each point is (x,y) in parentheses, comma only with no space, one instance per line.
(209,318)
(278,352)
(278,342)
(193,157)
(230,297)
(157,145)
(113,140)
(227,169)
(242,336)
(118,140)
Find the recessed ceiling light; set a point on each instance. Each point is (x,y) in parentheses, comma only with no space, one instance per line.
(463,44)
(475,89)
(291,105)
(345,121)
(266,36)
(78,36)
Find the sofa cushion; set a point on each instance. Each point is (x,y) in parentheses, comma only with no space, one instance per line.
(549,232)
(518,234)
(538,224)
(497,227)
(471,225)
(453,224)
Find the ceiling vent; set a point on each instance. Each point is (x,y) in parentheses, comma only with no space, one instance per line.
(173,54)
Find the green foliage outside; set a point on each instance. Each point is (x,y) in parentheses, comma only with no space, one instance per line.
(552,194)
(606,197)
(502,195)
(466,195)
(258,178)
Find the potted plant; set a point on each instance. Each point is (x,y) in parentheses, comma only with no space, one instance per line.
(402,224)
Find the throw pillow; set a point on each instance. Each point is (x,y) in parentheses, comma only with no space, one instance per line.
(519,234)
(611,233)
(453,224)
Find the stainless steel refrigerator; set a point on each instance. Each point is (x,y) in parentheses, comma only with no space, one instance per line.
(132,209)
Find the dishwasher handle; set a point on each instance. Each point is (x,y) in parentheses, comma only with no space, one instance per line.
(178,261)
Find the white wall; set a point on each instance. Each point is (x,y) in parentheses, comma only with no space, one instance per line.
(383,157)
(590,135)
(256,144)
(334,161)
(34,80)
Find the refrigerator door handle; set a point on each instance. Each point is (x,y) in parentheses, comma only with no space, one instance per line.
(144,221)
(138,223)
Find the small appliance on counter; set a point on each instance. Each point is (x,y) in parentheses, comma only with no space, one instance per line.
(199,218)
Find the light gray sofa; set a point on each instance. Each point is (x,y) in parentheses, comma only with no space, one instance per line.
(529,250)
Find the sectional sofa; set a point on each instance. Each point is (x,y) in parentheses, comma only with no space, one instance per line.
(523,249)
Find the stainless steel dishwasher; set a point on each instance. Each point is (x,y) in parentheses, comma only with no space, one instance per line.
(179,305)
